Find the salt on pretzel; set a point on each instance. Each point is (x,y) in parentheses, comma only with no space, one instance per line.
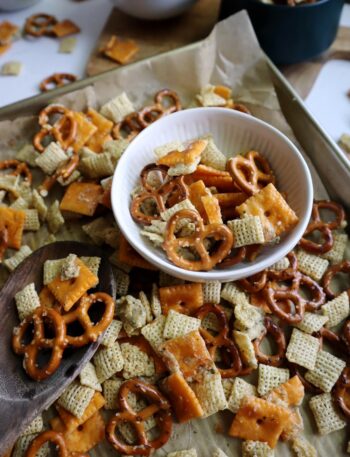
(92,330)
(220,343)
(207,261)
(40,342)
(48,436)
(251,173)
(158,407)
(271,328)
(19,169)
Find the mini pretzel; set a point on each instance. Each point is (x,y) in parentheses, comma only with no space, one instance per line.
(39,24)
(158,406)
(274,299)
(208,260)
(255,283)
(288,273)
(128,128)
(234,257)
(150,114)
(64,131)
(342,392)
(92,330)
(220,342)
(48,436)
(39,342)
(251,173)
(240,107)
(271,328)
(346,334)
(20,169)
(343,267)
(336,208)
(297,370)
(51,110)
(164,94)
(159,195)
(57,80)
(316,291)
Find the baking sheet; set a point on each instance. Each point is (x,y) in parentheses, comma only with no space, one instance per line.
(229,56)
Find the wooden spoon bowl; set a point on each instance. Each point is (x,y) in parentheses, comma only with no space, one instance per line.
(21,398)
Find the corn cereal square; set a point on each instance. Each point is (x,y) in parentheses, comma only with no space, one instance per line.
(136,362)
(210,394)
(240,389)
(327,370)
(311,265)
(246,231)
(303,349)
(271,377)
(336,310)
(326,417)
(27,300)
(117,108)
(76,399)
(108,361)
(257,449)
(178,324)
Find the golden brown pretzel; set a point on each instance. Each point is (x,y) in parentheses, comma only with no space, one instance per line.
(19,169)
(158,194)
(341,393)
(234,257)
(207,260)
(158,406)
(150,114)
(128,128)
(343,267)
(250,173)
(64,131)
(220,342)
(274,299)
(255,283)
(51,110)
(57,80)
(164,94)
(39,24)
(277,334)
(39,342)
(92,330)
(4,240)
(48,436)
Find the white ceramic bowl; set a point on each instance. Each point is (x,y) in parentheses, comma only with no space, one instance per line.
(233,132)
(153,9)
(13,5)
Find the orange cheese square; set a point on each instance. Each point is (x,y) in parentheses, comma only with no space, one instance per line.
(198,190)
(182,398)
(128,255)
(183,298)
(212,209)
(85,130)
(292,392)
(4,48)
(13,220)
(275,214)
(104,128)
(65,28)
(259,420)
(70,422)
(82,198)
(70,291)
(187,354)
(120,51)
(7,32)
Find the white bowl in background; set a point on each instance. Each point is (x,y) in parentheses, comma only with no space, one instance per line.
(13,5)
(233,132)
(153,9)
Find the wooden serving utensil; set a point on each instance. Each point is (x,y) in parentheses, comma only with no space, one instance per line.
(21,398)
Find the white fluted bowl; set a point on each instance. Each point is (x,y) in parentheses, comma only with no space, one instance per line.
(233,132)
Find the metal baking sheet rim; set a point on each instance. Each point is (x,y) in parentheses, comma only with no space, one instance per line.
(312,139)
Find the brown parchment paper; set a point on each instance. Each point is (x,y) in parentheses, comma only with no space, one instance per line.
(231,56)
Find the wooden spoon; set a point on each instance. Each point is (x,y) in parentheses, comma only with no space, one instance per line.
(21,398)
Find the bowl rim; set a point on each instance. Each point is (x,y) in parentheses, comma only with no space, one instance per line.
(224,275)
(283,7)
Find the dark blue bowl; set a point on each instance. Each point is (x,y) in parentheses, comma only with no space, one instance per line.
(288,34)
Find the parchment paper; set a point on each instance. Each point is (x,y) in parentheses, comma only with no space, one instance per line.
(231,56)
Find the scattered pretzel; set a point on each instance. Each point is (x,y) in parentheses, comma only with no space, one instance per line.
(271,328)
(251,173)
(255,283)
(150,114)
(39,24)
(297,370)
(220,342)
(128,128)
(165,94)
(288,273)
(64,131)
(342,392)
(48,436)
(158,406)
(20,169)
(39,342)
(51,110)
(207,260)
(56,80)
(343,267)
(274,299)
(158,194)
(4,241)
(345,334)
(80,314)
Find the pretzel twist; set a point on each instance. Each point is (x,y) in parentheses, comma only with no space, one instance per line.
(158,406)
(19,169)
(92,330)
(343,267)
(39,24)
(341,392)
(57,80)
(48,436)
(39,342)
(207,260)
(165,94)
(271,328)
(4,241)
(220,342)
(251,173)
(275,299)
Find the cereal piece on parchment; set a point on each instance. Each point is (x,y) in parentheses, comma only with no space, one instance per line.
(311,265)
(302,448)
(271,377)
(234,295)
(178,324)
(312,322)
(67,45)
(302,349)
(31,222)
(117,108)
(40,205)
(108,361)
(20,203)
(336,254)
(12,262)
(240,389)
(326,417)
(184,453)
(256,449)
(27,300)
(336,310)
(88,377)
(52,157)
(136,362)
(97,166)
(12,68)
(246,348)
(54,217)
(327,370)
(210,394)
